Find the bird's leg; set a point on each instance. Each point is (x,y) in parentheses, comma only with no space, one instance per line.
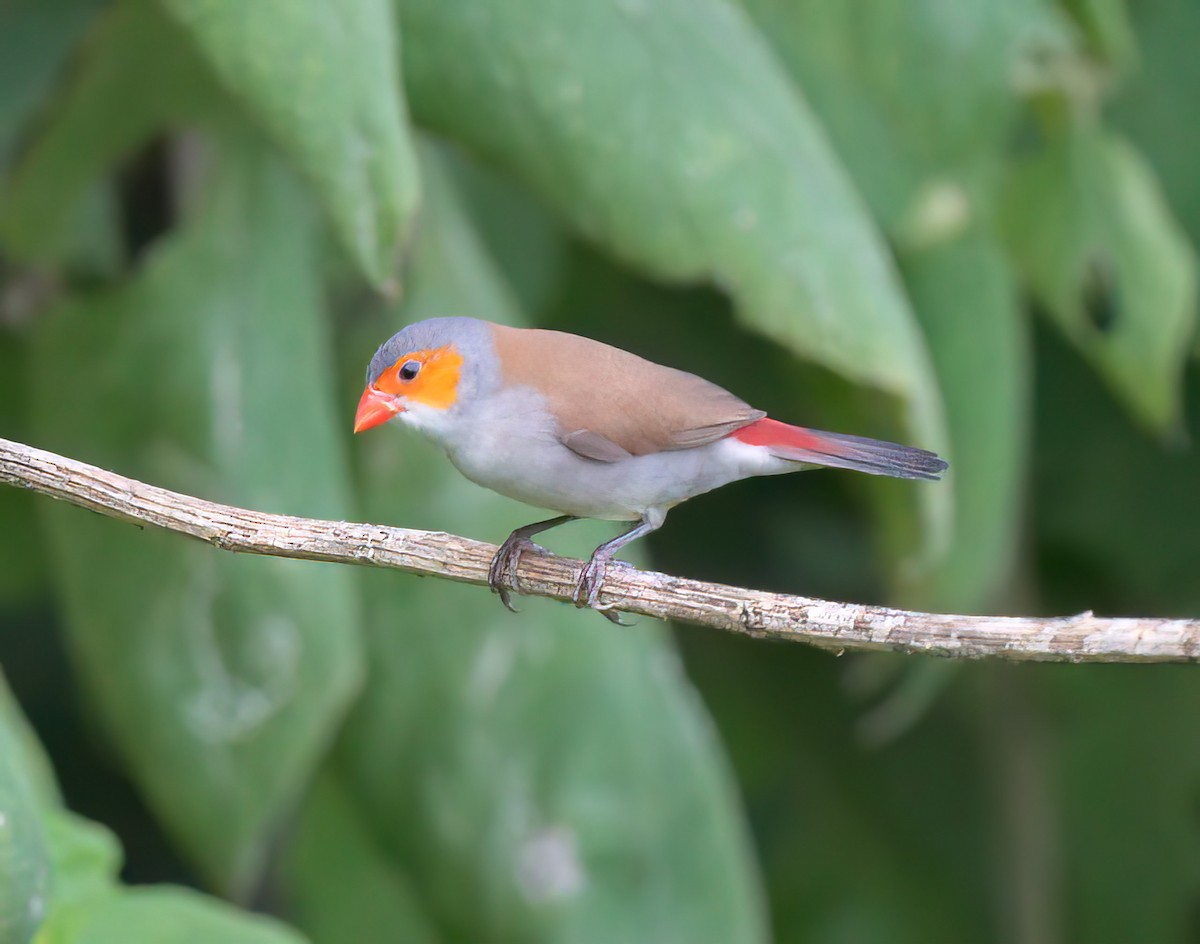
(591,578)
(502,575)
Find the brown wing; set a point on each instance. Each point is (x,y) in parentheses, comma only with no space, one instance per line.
(610,403)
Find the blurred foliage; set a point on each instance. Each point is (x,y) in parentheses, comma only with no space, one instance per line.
(966,225)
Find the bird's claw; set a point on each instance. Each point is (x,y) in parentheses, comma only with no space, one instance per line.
(506,598)
(588,587)
(502,578)
(502,574)
(609,612)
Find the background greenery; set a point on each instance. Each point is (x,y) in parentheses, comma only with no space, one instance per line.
(968,225)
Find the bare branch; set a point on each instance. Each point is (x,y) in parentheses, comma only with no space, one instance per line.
(834,626)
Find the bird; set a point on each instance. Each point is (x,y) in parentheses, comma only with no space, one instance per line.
(588,430)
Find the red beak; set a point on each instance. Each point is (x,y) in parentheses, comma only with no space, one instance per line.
(374,408)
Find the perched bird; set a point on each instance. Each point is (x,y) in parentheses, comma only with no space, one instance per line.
(576,426)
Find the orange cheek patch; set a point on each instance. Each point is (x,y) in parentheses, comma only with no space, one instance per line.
(437,383)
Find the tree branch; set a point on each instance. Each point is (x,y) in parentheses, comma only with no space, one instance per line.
(835,626)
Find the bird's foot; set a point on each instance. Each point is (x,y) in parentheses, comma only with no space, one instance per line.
(502,574)
(588,587)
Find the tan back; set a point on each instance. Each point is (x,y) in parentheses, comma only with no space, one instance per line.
(600,393)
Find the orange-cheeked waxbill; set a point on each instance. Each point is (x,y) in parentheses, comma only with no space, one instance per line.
(588,430)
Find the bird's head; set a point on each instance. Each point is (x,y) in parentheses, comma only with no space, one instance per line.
(423,372)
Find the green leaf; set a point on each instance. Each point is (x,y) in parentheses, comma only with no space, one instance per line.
(1116,519)
(529,244)
(341,885)
(162,915)
(24,859)
(558,774)
(887,841)
(24,750)
(1124,764)
(1088,228)
(58,872)
(1154,107)
(219,677)
(323,80)
(86,857)
(35,38)
(1107,27)
(966,299)
(136,76)
(667,132)
(918,99)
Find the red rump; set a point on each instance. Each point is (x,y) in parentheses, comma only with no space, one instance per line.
(817,447)
(769,432)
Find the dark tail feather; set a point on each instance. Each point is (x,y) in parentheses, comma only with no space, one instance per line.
(839,451)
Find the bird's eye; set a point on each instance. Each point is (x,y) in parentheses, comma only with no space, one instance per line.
(410,369)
